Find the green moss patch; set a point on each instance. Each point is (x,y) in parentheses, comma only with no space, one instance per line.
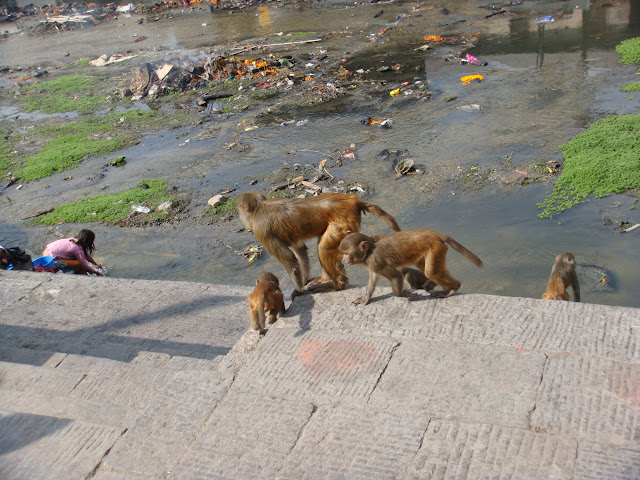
(601,161)
(71,143)
(297,36)
(629,51)
(72,93)
(227,209)
(630,87)
(108,208)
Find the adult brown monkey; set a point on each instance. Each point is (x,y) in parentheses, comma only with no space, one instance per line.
(283,225)
(386,254)
(563,274)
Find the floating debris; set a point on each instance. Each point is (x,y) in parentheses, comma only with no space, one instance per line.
(467,79)
(253,253)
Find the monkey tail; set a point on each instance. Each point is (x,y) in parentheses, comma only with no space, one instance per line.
(462,250)
(378,212)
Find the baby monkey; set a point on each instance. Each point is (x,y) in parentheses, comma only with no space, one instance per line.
(563,274)
(386,254)
(267,296)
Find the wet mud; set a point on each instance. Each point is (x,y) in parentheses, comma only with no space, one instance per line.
(487,149)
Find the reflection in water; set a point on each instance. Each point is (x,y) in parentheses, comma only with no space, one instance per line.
(264,17)
(540,57)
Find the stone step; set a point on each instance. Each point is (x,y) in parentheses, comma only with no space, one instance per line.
(88,378)
(43,447)
(49,358)
(77,409)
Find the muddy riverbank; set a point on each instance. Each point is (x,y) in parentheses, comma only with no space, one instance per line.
(484,147)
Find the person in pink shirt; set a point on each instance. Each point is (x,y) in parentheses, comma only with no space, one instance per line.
(75,252)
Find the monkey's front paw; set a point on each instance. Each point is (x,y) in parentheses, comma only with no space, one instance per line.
(361,300)
(409,293)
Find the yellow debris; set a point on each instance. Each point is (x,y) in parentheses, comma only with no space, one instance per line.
(468,78)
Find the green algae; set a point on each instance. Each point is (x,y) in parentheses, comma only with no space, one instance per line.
(601,161)
(70,143)
(629,54)
(108,208)
(630,87)
(629,51)
(71,93)
(297,35)
(227,208)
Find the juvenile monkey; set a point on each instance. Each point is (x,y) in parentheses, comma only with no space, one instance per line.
(386,254)
(563,274)
(267,296)
(283,226)
(416,279)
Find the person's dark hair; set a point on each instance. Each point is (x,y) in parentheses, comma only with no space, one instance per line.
(85,239)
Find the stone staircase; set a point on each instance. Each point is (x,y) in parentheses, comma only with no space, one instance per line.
(121,388)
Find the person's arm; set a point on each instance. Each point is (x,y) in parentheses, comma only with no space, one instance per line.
(82,258)
(91,260)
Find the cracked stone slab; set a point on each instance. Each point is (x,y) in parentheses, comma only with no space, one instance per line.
(47,381)
(324,367)
(452,450)
(42,447)
(598,460)
(587,397)
(461,381)
(248,436)
(342,442)
(169,425)
(580,328)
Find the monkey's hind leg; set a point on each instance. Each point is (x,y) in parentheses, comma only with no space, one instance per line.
(436,270)
(334,276)
(291,263)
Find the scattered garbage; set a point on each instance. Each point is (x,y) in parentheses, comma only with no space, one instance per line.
(103,60)
(290,184)
(469,108)
(126,8)
(467,79)
(385,123)
(596,278)
(252,252)
(401,163)
(140,209)
(632,228)
(165,206)
(545,19)
(346,155)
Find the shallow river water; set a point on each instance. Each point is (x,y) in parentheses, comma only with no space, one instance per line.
(544,84)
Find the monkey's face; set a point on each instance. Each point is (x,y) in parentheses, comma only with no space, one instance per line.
(348,259)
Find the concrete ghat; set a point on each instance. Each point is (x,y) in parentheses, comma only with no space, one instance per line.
(129,379)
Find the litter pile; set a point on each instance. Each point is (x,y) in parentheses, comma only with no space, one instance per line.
(73,16)
(152,80)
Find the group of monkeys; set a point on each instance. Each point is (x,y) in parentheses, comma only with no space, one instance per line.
(284,225)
